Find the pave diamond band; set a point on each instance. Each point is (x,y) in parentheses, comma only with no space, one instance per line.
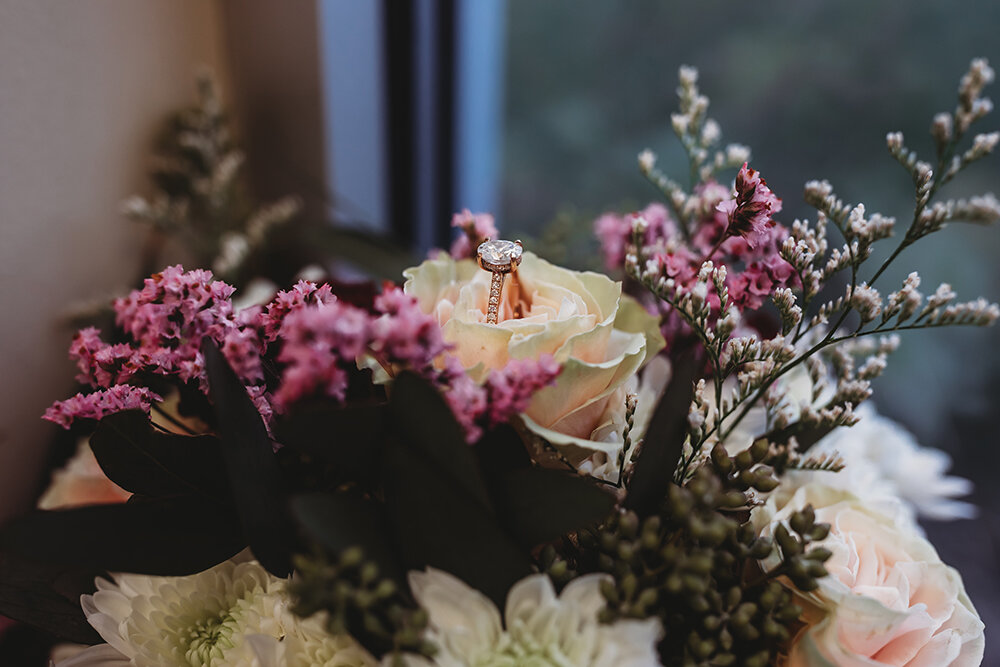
(496,287)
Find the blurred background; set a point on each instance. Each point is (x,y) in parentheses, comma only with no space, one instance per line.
(386,117)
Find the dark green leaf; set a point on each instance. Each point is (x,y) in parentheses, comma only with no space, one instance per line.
(258,489)
(664,439)
(348,437)
(340,521)
(47,597)
(142,460)
(501,450)
(165,536)
(538,504)
(423,420)
(436,522)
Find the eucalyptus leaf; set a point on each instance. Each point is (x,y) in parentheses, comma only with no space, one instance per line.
(47,596)
(539,505)
(163,536)
(348,437)
(142,460)
(423,420)
(258,488)
(436,522)
(341,521)
(661,447)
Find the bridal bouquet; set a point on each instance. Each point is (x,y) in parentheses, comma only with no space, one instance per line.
(506,462)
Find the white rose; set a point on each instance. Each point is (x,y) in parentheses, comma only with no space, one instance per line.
(599,336)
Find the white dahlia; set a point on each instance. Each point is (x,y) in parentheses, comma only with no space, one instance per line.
(235,613)
(542,629)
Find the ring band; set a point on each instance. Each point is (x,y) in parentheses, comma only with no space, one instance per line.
(496,289)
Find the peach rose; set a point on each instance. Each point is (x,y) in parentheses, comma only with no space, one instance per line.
(889,600)
(81,482)
(599,336)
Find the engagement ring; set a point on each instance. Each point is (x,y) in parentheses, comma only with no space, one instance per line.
(500,258)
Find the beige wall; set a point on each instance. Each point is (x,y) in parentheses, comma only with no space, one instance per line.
(84,86)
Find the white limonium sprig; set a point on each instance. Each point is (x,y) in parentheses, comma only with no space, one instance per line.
(751,367)
(699,135)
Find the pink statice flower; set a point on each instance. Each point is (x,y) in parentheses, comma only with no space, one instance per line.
(304,293)
(403,334)
(614,232)
(749,212)
(169,318)
(505,393)
(467,399)
(475,228)
(322,341)
(511,388)
(101,364)
(242,348)
(753,262)
(319,342)
(100,404)
(167,321)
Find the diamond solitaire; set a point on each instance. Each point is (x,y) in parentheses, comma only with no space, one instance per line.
(499,255)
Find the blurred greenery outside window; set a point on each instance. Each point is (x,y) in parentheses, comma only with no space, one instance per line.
(811,87)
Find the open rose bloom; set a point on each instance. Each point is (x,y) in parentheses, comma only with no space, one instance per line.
(599,336)
(889,600)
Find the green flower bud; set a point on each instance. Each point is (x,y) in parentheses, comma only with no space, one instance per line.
(351,557)
(744,460)
(819,532)
(609,591)
(629,525)
(821,554)
(789,545)
(721,459)
(763,481)
(761,548)
(803,520)
(629,585)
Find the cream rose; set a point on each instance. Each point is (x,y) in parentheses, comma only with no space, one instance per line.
(599,336)
(889,600)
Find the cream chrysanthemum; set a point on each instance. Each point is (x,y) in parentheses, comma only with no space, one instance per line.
(235,613)
(542,629)
(310,645)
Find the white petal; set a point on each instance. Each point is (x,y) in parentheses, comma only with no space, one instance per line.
(101,655)
(464,618)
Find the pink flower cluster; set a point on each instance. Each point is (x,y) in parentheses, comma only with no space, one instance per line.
(170,316)
(615,232)
(319,340)
(735,229)
(476,228)
(505,393)
(750,212)
(322,340)
(101,403)
(304,293)
(167,321)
